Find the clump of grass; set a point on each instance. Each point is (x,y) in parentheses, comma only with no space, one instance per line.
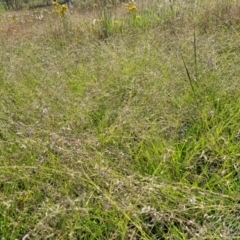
(133,135)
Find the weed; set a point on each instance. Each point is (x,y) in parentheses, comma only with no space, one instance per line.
(120,122)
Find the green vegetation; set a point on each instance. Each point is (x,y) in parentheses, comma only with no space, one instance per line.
(121,121)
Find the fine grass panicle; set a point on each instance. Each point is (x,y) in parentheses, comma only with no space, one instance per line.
(120,120)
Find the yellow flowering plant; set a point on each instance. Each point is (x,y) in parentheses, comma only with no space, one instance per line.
(131,6)
(60,9)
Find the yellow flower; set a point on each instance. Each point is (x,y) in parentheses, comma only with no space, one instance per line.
(138,16)
(61,9)
(95,5)
(116,22)
(132,8)
(64,6)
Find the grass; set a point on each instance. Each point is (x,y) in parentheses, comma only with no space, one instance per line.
(122,127)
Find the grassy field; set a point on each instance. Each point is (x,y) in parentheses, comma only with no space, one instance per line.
(120,121)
